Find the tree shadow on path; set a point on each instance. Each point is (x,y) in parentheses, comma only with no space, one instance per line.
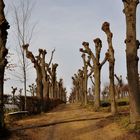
(58,122)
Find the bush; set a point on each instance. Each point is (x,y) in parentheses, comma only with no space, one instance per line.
(123,102)
(120,102)
(34,104)
(105,103)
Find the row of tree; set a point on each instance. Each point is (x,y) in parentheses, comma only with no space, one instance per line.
(48,87)
(92,62)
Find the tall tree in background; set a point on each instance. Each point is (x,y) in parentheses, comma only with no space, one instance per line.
(96,67)
(132,45)
(81,84)
(24,32)
(44,70)
(111,60)
(85,70)
(53,76)
(86,62)
(36,61)
(3,61)
(76,87)
(78,91)
(119,85)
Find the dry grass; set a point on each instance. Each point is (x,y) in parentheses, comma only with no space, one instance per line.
(74,122)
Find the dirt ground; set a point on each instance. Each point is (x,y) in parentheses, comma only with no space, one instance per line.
(70,122)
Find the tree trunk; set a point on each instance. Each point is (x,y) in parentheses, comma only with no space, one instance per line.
(112,89)
(81,85)
(97,88)
(39,87)
(40,92)
(44,73)
(1,97)
(76,96)
(47,89)
(85,78)
(44,82)
(39,84)
(25,81)
(132,59)
(111,60)
(3,61)
(85,90)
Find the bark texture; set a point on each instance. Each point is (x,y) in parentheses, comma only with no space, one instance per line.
(111,60)
(53,76)
(3,61)
(132,45)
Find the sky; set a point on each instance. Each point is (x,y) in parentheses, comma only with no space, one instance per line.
(64,25)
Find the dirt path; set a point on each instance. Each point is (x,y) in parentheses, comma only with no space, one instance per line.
(69,122)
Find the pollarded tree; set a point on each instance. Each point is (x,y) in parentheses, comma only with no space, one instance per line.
(81,85)
(86,75)
(32,89)
(77,94)
(37,66)
(119,85)
(64,95)
(70,98)
(52,73)
(46,76)
(76,87)
(111,60)
(20,91)
(96,67)
(59,87)
(105,92)
(13,93)
(132,45)
(85,85)
(43,71)
(61,91)
(3,61)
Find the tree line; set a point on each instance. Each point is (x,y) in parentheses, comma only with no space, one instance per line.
(48,91)
(92,68)
(47,85)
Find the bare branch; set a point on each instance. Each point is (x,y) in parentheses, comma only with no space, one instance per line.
(51,57)
(103,62)
(92,80)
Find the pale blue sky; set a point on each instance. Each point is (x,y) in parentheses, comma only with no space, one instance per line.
(65,24)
